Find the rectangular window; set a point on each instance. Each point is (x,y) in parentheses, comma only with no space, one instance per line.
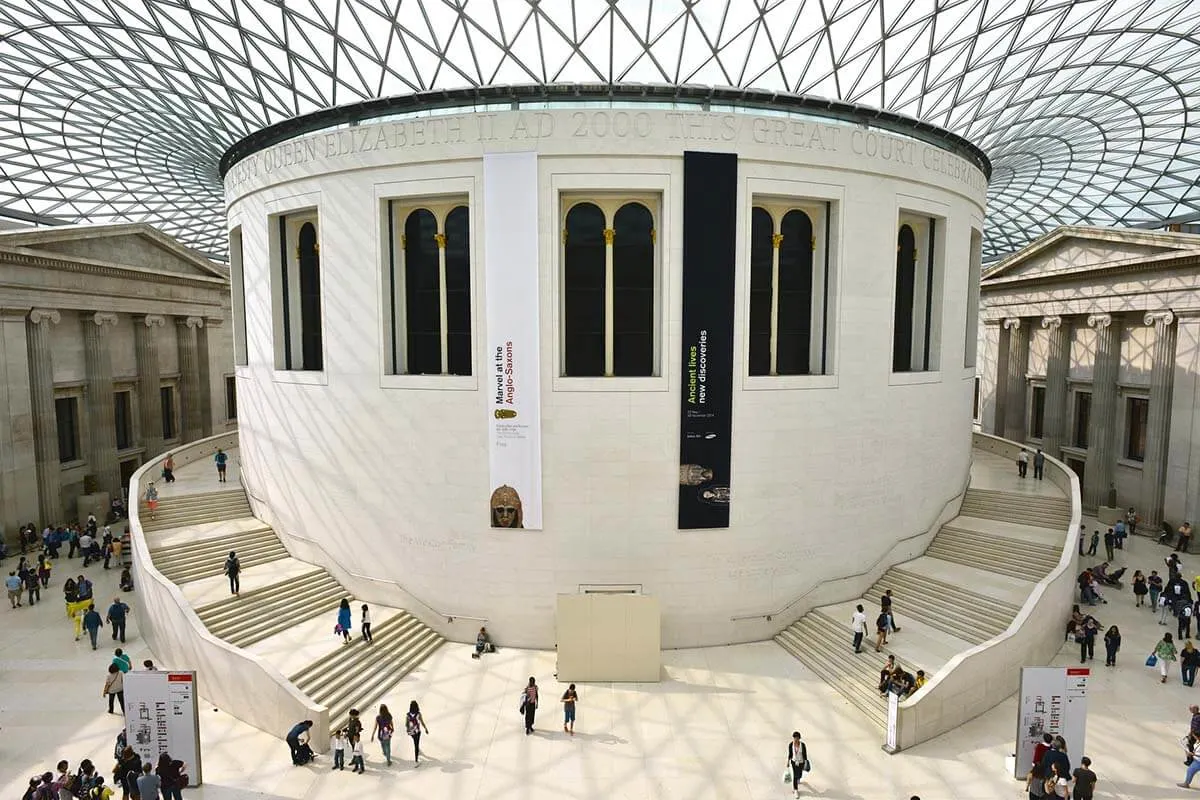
(238,285)
(296,292)
(123,419)
(428,287)
(66,413)
(790,286)
(230,397)
(916,323)
(974,272)
(975,402)
(167,395)
(1083,414)
(1137,409)
(610,287)
(1037,411)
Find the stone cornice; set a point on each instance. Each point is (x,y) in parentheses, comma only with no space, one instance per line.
(41,260)
(1092,274)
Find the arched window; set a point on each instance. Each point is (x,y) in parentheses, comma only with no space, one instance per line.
(610,289)
(458,291)
(795,294)
(906,279)
(429,283)
(296,293)
(310,298)
(422,294)
(762,290)
(584,290)
(633,291)
(790,288)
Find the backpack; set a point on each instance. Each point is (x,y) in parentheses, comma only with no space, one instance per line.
(411,726)
(881,621)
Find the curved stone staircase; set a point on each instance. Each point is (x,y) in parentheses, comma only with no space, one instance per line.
(965,590)
(190,537)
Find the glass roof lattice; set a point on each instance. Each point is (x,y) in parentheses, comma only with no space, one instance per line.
(120,110)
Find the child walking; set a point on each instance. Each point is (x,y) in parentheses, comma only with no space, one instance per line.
(569,698)
(339,744)
(356,755)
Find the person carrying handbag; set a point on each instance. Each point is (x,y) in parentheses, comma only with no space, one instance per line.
(797,761)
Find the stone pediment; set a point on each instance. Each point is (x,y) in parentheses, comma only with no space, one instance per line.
(132,245)
(1069,250)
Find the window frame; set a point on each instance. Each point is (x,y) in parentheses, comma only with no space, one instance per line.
(134,441)
(176,428)
(294,211)
(76,398)
(237,282)
(1075,392)
(918,213)
(760,189)
(1128,428)
(609,204)
(1034,386)
(411,195)
(653,189)
(820,212)
(230,380)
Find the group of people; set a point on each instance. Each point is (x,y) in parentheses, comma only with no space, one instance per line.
(894,679)
(1050,774)
(144,780)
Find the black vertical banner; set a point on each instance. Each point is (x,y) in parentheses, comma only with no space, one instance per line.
(706,404)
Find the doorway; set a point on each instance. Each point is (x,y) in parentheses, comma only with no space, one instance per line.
(128,467)
(1076,465)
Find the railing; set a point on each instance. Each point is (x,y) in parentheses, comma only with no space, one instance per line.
(974,681)
(894,555)
(230,678)
(332,564)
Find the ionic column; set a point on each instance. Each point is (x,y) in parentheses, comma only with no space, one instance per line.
(1158,416)
(1018,365)
(149,383)
(1054,427)
(102,432)
(45,421)
(189,377)
(1098,475)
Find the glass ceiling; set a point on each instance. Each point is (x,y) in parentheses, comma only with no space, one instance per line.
(119,110)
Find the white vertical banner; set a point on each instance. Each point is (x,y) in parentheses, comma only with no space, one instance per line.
(510,260)
(1051,700)
(893,722)
(162,716)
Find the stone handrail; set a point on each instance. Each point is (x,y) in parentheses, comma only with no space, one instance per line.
(978,679)
(228,677)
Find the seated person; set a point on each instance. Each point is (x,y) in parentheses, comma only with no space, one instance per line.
(126,580)
(902,682)
(117,508)
(885,675)
(919,681)
(1114,578)
(483,643)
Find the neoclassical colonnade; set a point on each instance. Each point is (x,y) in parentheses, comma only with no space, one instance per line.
(1103,425)
(101,444)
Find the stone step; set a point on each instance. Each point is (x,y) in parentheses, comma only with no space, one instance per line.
(857,685)
(998,542)
(249,555)
(261,596)
(1027,500)
(967,615)
(372,685)
(179,551)
(992,555)
(313,603)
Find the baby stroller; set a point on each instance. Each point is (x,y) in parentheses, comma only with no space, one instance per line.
(304,754)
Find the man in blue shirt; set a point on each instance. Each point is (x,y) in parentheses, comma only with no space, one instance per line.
(221,458)
(14,585)
(92,623)
(116,618)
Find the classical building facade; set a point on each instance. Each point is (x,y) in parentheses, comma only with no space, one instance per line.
(1090,345)
(115,345)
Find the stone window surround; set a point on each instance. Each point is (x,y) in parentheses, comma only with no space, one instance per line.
(307,207)
(77,390)
(1125,393)
(440,205)
(1034,382)
(173,380)
(653,190)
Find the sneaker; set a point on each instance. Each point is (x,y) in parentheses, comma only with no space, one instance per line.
(1184,785)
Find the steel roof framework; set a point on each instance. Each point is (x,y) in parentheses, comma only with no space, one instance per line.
(119,110)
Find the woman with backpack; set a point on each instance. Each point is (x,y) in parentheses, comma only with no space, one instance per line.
(529,704)
(171,773)
(413,723)
(384,727)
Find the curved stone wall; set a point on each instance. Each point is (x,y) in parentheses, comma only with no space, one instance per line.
(391,471)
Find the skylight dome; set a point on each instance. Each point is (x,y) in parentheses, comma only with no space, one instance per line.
(120,110)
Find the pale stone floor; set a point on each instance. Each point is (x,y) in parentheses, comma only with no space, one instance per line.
(716,727)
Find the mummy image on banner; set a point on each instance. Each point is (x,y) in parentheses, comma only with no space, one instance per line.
(514,421)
